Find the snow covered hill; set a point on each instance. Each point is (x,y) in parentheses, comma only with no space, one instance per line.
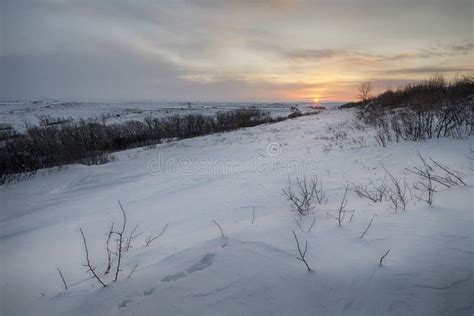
(236,179)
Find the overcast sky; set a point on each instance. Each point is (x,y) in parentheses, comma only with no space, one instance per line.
(227,50)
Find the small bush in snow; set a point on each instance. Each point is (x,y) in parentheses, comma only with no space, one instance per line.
(376,192)
(305,194)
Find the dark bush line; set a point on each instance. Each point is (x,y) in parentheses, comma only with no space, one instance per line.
(46,120)
(89,143)
(6,134)
(422,94)
(430,109)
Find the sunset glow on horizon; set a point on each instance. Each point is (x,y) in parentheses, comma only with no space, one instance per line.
(306,51)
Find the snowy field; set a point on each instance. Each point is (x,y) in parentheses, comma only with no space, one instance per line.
(19,113)
(236,179)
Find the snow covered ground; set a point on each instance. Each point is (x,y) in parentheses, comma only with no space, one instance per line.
(229,178)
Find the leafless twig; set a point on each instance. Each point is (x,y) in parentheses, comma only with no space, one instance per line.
(120,248)
(365,231)
(309,228)
(426,185)
(449,179)
(302,253)
(224,237)
(352,215)
(109,252)
(383,257)
(456,174)
(62,278)
(341,213)
(398,194)
(131,237)
(149,238)
(91,269)
(375,193)
(312,224)
(299,226)
(131,272)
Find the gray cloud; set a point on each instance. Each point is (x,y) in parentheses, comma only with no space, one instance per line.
(464,48)
(144,49)
(428,70)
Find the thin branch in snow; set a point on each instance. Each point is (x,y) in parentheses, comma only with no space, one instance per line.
(120,248)
(341,212)
(302,253)
(383,257)
(312,224)
(220,228)
(133,270)
(109,252)
(62,278)
(352,215)
(131,237)
(397,194)
(426,184)
(299,226)
(224,237)
(149,238)
(91,269)
(365,231)
(456,174)
(310,227)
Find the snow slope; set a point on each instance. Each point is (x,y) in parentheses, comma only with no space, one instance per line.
(226,177)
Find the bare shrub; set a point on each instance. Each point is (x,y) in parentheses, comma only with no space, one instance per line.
(398,192)
(376,192)
(426,184)
(448,177)
(123,245)
(364,91)
(150,238)
(451,176)
(303,197)
(294,111)
(341,211)
(131,237)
